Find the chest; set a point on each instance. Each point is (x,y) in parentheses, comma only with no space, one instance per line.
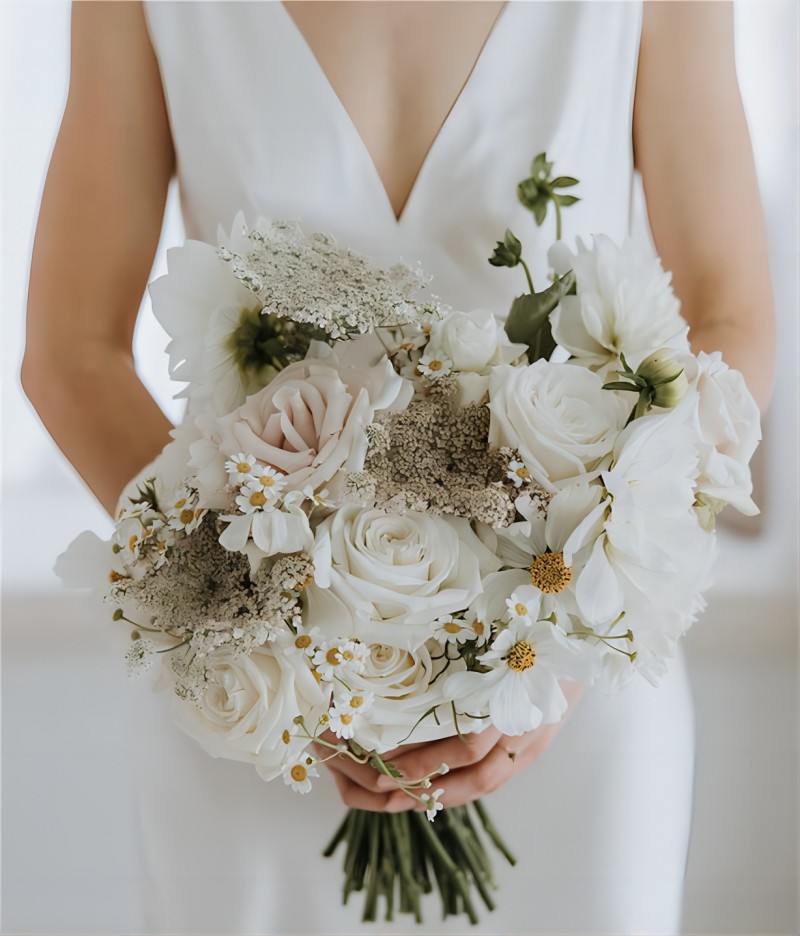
(397,68)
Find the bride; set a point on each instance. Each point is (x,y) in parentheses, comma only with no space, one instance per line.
(402,128)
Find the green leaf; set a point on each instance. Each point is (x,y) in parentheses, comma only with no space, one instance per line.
(566,200)
(528,319)
(507,252)
(539,209)
(513,243)
(620,385)
(563,181)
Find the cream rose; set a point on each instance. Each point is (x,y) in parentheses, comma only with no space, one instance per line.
(244,708)
(558,417)
(392,576)
(308,422)
(404,688)
(474,342)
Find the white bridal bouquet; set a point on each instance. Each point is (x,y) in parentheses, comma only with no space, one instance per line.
(383,520)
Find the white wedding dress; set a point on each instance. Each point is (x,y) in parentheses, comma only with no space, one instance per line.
(600,823)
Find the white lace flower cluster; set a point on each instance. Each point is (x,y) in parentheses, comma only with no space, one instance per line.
(414,533)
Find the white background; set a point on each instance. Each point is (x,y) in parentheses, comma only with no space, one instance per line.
(742,870)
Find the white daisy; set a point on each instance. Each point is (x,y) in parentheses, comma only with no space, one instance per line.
(298,773)
(269,479)
(434,366)
(335,658)
(184,513)
(241,467)
(452,630)
(343,721)
(518,473)
(524,604)
(254,497)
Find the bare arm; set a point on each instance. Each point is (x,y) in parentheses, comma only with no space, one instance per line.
(96,236)
(692,147)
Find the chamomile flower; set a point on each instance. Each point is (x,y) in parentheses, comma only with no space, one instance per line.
(269,479)
(523,605)
(452,630)
(253,496)
(298,773)
(241,467)
(335,658)
(184,514)
(518,473)
(434,366)
(343,721)
(432,804)
(478,630)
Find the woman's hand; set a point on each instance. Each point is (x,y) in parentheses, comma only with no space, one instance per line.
(479,764)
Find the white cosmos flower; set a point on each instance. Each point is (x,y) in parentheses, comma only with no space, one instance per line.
(549,554)
(557,417)
(90,562)
(624,305)
(200,304)
(521,690)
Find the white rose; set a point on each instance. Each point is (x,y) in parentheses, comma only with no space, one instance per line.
(392,576)
(308,423)
(405,687)
(244,708)
(727,420)
(557,416)
(624,305)
(474,342)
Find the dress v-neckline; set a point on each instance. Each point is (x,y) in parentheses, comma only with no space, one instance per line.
(435,143)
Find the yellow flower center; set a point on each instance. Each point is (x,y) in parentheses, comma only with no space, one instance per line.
(299,773)
(347,655)
(244,467)
(522,473)
(549,574)
(302,641)
(435,365)
(324,719)
(286,737)
(452,627)
(187,516)
(266,480)
(477,626)
(356,701)
(332,656)
(521,657)
(132,542)
(180,503)
(346,718)
(521,609)
(258,498)
(317,675)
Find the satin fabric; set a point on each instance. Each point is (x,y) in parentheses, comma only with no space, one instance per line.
(600,823)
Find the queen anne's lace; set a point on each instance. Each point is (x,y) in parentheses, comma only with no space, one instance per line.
(309,278)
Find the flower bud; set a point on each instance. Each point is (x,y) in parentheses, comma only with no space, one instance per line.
(665,376)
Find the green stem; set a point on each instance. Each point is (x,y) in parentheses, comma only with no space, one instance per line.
(524,266)
(558,219)
(493,834)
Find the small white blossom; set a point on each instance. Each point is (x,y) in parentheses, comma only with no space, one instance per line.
(253,496)
(335,657)
(432,804)
(241,467)
(140,657)
(343,720)
(268,479)
(434,366)
(298,773)
(518,473)
(452,630)
(523,605)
